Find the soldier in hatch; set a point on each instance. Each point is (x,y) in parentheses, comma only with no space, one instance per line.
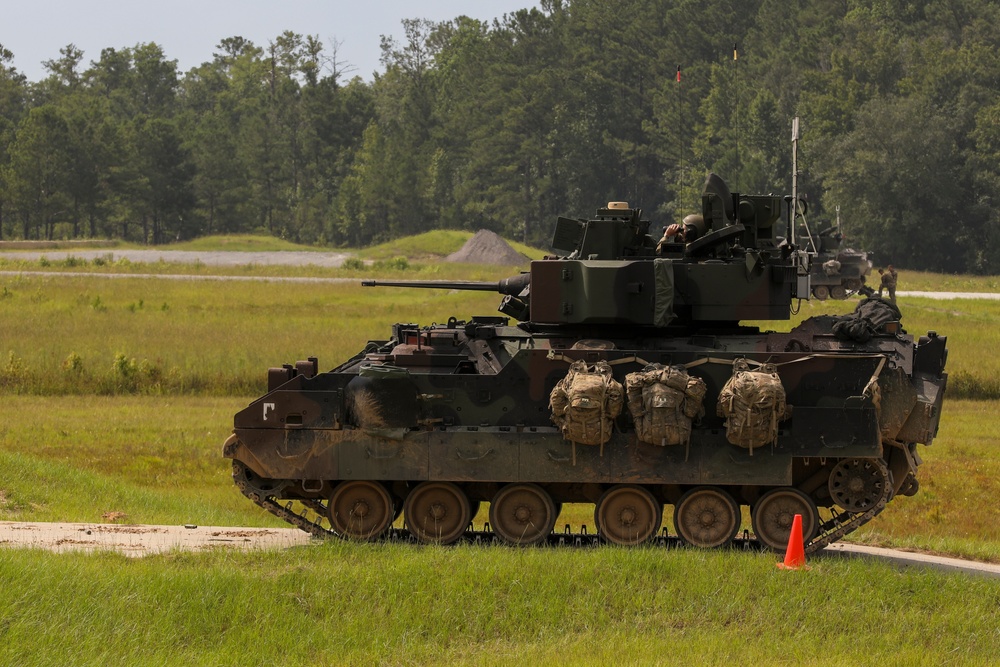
(689,229)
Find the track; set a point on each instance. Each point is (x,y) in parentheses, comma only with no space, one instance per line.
(146,540)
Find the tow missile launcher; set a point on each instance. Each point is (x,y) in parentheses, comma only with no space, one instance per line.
(622,373)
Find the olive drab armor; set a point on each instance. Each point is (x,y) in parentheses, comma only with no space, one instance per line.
(430,422)
(663,401)
(586,402)
(752,402)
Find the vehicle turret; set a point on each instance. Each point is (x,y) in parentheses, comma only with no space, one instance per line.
(615,273)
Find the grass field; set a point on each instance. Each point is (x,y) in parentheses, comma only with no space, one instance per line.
(118,394)
(65,334)
(336,603)
(81,335)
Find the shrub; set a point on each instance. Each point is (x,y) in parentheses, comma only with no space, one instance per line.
(14,373)
(73,364)
(396,264)
(123,367)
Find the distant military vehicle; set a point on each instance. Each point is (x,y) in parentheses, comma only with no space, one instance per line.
(834,271)
(619,375)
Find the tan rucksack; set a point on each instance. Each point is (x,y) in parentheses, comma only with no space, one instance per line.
(585,403)
(753,402)
(663,401)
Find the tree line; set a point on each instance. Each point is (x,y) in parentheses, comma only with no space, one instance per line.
(507,124)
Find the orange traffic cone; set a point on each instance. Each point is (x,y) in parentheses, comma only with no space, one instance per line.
(795,555)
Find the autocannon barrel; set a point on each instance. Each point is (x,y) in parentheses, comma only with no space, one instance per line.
(511,286)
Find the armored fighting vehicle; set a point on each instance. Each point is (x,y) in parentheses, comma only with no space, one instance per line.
(836,272)
(623,373)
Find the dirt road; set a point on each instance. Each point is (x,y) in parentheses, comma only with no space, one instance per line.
(142,540)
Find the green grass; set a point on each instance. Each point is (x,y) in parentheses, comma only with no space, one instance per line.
(923,281)
(155,459)
(240,242)
(347,604)
(434,245)
(153,452)
(63,334)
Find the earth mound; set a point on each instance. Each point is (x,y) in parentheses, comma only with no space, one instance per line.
(486,247)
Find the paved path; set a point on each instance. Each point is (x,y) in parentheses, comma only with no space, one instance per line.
(211,258)
(181,276)
(908,559)
(953,295)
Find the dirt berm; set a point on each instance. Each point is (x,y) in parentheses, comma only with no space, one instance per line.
(486,247)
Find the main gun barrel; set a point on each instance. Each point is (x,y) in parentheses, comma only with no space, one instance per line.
(511,286)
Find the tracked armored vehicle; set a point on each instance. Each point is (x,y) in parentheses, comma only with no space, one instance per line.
(835,272)
(621,373)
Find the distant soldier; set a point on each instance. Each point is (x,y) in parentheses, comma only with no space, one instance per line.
(888,282)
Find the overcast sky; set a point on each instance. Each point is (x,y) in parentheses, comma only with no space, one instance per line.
(188,30)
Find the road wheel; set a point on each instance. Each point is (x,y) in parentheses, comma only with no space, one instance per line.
(627,515)
(360,510)
(707,516)
(523,514)
(772,517)
(437,512)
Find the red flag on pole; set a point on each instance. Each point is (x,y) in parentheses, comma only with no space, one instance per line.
(678,74)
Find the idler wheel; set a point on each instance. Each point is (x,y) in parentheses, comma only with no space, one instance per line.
(437,512)
(254,487)
(523,514)
(773,513)
(360,510)
(707,516)
(627,515)
(856,485)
